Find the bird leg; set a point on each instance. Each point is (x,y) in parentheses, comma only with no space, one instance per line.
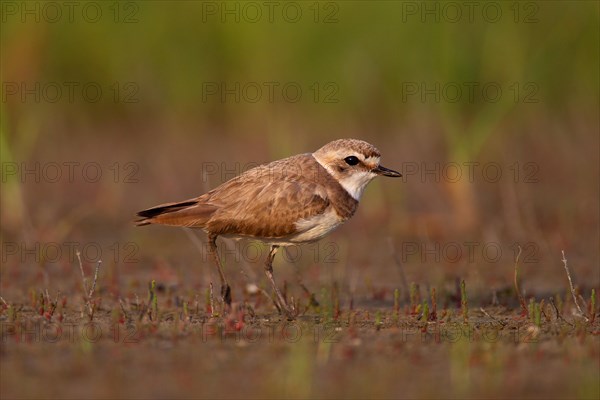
(225,289)
(289,310)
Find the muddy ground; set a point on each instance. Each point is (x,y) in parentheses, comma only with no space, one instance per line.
(166,341)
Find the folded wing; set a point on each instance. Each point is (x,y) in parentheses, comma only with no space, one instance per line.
(265,201)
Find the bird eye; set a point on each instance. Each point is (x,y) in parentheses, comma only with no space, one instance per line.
(351,160)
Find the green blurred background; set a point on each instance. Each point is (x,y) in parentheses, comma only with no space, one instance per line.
(385,72)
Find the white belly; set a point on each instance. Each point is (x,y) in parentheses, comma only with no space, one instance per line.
(316,227)
(309,230)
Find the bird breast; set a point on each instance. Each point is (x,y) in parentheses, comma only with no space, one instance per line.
(317,226)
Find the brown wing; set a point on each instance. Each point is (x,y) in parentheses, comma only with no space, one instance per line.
(190,213)
(265,201)
(268,200)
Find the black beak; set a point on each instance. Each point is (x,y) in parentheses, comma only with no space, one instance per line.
(380,170)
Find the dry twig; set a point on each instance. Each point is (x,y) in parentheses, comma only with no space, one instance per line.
(516,282)
(564,260)
(558,316)
(312,302)
(83,278)
(93,289)
(53,304)
(212,301)
(125,313)
(491,317)
(87,295)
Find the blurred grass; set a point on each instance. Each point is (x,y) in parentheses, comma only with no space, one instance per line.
(369,53)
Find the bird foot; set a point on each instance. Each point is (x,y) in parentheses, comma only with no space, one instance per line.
(286,308)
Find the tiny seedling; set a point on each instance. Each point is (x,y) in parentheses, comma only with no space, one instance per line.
(378,320)
(152,301)
(186,313)
(335,299)
(516,283)
(425,315)
(464,301)
(535,312)
(396,305)
(593,306)
(433,315)
(414,298)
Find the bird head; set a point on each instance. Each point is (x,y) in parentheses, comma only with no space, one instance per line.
(353,163)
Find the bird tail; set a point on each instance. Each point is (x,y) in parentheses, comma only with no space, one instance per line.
(191,213)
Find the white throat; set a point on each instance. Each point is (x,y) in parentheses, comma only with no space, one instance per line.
(354,184)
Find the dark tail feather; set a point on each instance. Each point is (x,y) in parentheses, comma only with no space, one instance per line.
(146,216)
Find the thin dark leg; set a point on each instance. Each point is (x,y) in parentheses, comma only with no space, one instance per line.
(225,289)
(269,272)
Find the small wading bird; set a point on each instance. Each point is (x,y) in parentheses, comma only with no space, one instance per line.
(295,200)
